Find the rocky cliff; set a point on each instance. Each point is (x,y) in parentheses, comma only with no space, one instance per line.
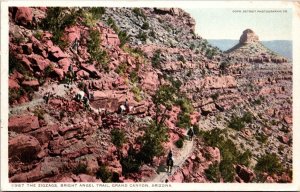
(240,106)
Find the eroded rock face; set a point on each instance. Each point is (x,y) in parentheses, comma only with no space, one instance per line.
(23,16)
(24,147)
(23,123)
(248,36)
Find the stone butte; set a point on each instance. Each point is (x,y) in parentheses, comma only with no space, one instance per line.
(248,36)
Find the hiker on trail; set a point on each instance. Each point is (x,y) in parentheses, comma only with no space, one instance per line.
(190,133)
(47,97)
(87,92)
(126,106)
(86,103)
(70,74)
(170,154)
(170,163)
(79,96)
(75,45)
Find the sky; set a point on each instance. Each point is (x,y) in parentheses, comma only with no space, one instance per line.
(229,24)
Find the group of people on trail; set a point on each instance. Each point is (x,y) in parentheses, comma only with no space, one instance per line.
(170,160)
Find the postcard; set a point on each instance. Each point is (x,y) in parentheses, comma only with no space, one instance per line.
(141,95)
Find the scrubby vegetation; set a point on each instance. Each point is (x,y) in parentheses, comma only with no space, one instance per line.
(213,173)
(103,174)
(131,163)
(80,168)
(179,143)
(156,59)
(117,137)
(230,154)
(97,53)
(269,163)
(238,123)
(142,36)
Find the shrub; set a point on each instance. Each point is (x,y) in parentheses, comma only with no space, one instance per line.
(215,96)
(236,123)
(269,163)
(247,117)
(48,70)
(213,173)
(138,12)
(137,93)
(131,163)
(142,36)
(80,168)
(15,64)
(230,154)
(151,142)
(97,54)
(210,53)
(111,23)
(145,26)
(185,104)
(15,94)
(261,137)
(257,102)
(56,20)
(123,37)
(97,12)
(227,170)
(38,35)
(179,143)
(181,58)
(103,174)
(152,34)
(39,112)
(122,69)
(115,177)
(184,120)
(223,66)
(196,130)
(156,59)
(117,137)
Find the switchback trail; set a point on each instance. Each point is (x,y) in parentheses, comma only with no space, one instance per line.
(178,161)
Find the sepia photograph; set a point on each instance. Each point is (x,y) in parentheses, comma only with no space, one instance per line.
(147,97)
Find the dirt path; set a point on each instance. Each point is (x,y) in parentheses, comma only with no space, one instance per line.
(178,161)
(60,90)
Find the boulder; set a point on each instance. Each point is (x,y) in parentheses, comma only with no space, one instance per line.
(24,147)
(91,70)
(23,123)
(284,139)
(24,16)
(64,64)
(59,73)
(82,74)
(13,84)
(31,83)
(55,53)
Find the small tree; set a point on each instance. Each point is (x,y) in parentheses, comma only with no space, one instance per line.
(152,141)
(117,137)
(213,173)
(165,96)
(269,163)
(156,59)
